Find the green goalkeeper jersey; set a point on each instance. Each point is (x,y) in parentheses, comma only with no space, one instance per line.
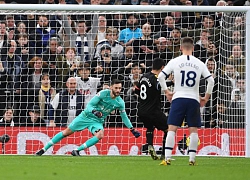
(103,102)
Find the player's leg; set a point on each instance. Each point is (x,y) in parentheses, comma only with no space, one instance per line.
(98,135)
(175,118)
(149,141)
(163,145)
(58,137)
(97,130)
(148,124)
(193,145)
(160,122)
(75,125)
(193,119)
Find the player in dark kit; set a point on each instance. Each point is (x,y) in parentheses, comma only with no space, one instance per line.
(149,109)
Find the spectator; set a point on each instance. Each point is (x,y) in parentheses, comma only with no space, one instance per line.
(148,18)
(64,38)
(101,33)
(128,56)
(212,51)
(45,96)
(134,76)
(82,40)
(7,119)
(237,38)
(231,73)
(161,50)
(238,58)
(5,80)
(221,90)
(166,28)
(207,24)
(200,47)
(160,17)
(117,21)
(52,55)
(12,63)
(175,42)
(111,39)
(39,38)
(30,81)
(87,85)
(186,19)
(239,23)
(105,66)
(143,47)
(237,107)
(132,31)
(33,118)
(10,22)
(67,67)
(3,34)
(23,49)
(21,29)
(217,16)
(66,105)
(239,93)
(218,117)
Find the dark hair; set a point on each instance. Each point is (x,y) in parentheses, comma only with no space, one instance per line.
(158,63)
(8,108)
(136,64)
(3,22)
(116,81)
(23,35)
(84,66)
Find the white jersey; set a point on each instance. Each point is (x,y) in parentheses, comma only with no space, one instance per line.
(88,88)
(71,107)
(187,71)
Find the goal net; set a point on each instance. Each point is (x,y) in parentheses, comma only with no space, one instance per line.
(54,61)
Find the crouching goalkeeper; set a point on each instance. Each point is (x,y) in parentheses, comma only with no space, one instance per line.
(98,108)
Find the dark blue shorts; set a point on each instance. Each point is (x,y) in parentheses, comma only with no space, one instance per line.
(185,109)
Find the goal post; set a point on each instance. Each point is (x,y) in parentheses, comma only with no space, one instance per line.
(114,134)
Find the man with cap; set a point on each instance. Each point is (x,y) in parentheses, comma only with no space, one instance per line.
(33,118)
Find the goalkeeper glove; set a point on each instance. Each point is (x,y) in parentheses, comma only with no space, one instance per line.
(97,113)
(135,133)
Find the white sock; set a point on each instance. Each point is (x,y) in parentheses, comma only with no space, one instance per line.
(193,146)
(170,142)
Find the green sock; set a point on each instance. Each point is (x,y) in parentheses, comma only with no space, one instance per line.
(90,142)
(58,137)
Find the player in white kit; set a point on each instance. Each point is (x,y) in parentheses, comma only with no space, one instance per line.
(186,101)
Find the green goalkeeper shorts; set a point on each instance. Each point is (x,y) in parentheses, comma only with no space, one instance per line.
(82,122)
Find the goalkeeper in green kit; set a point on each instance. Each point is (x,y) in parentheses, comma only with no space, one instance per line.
(98,108)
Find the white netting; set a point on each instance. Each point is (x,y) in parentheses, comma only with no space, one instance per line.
(59,43)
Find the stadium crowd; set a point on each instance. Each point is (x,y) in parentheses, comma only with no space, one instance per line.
(52,65)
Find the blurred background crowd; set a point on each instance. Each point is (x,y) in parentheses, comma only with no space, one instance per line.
(52,65)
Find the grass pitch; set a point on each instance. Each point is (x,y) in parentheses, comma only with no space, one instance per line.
(120,168)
